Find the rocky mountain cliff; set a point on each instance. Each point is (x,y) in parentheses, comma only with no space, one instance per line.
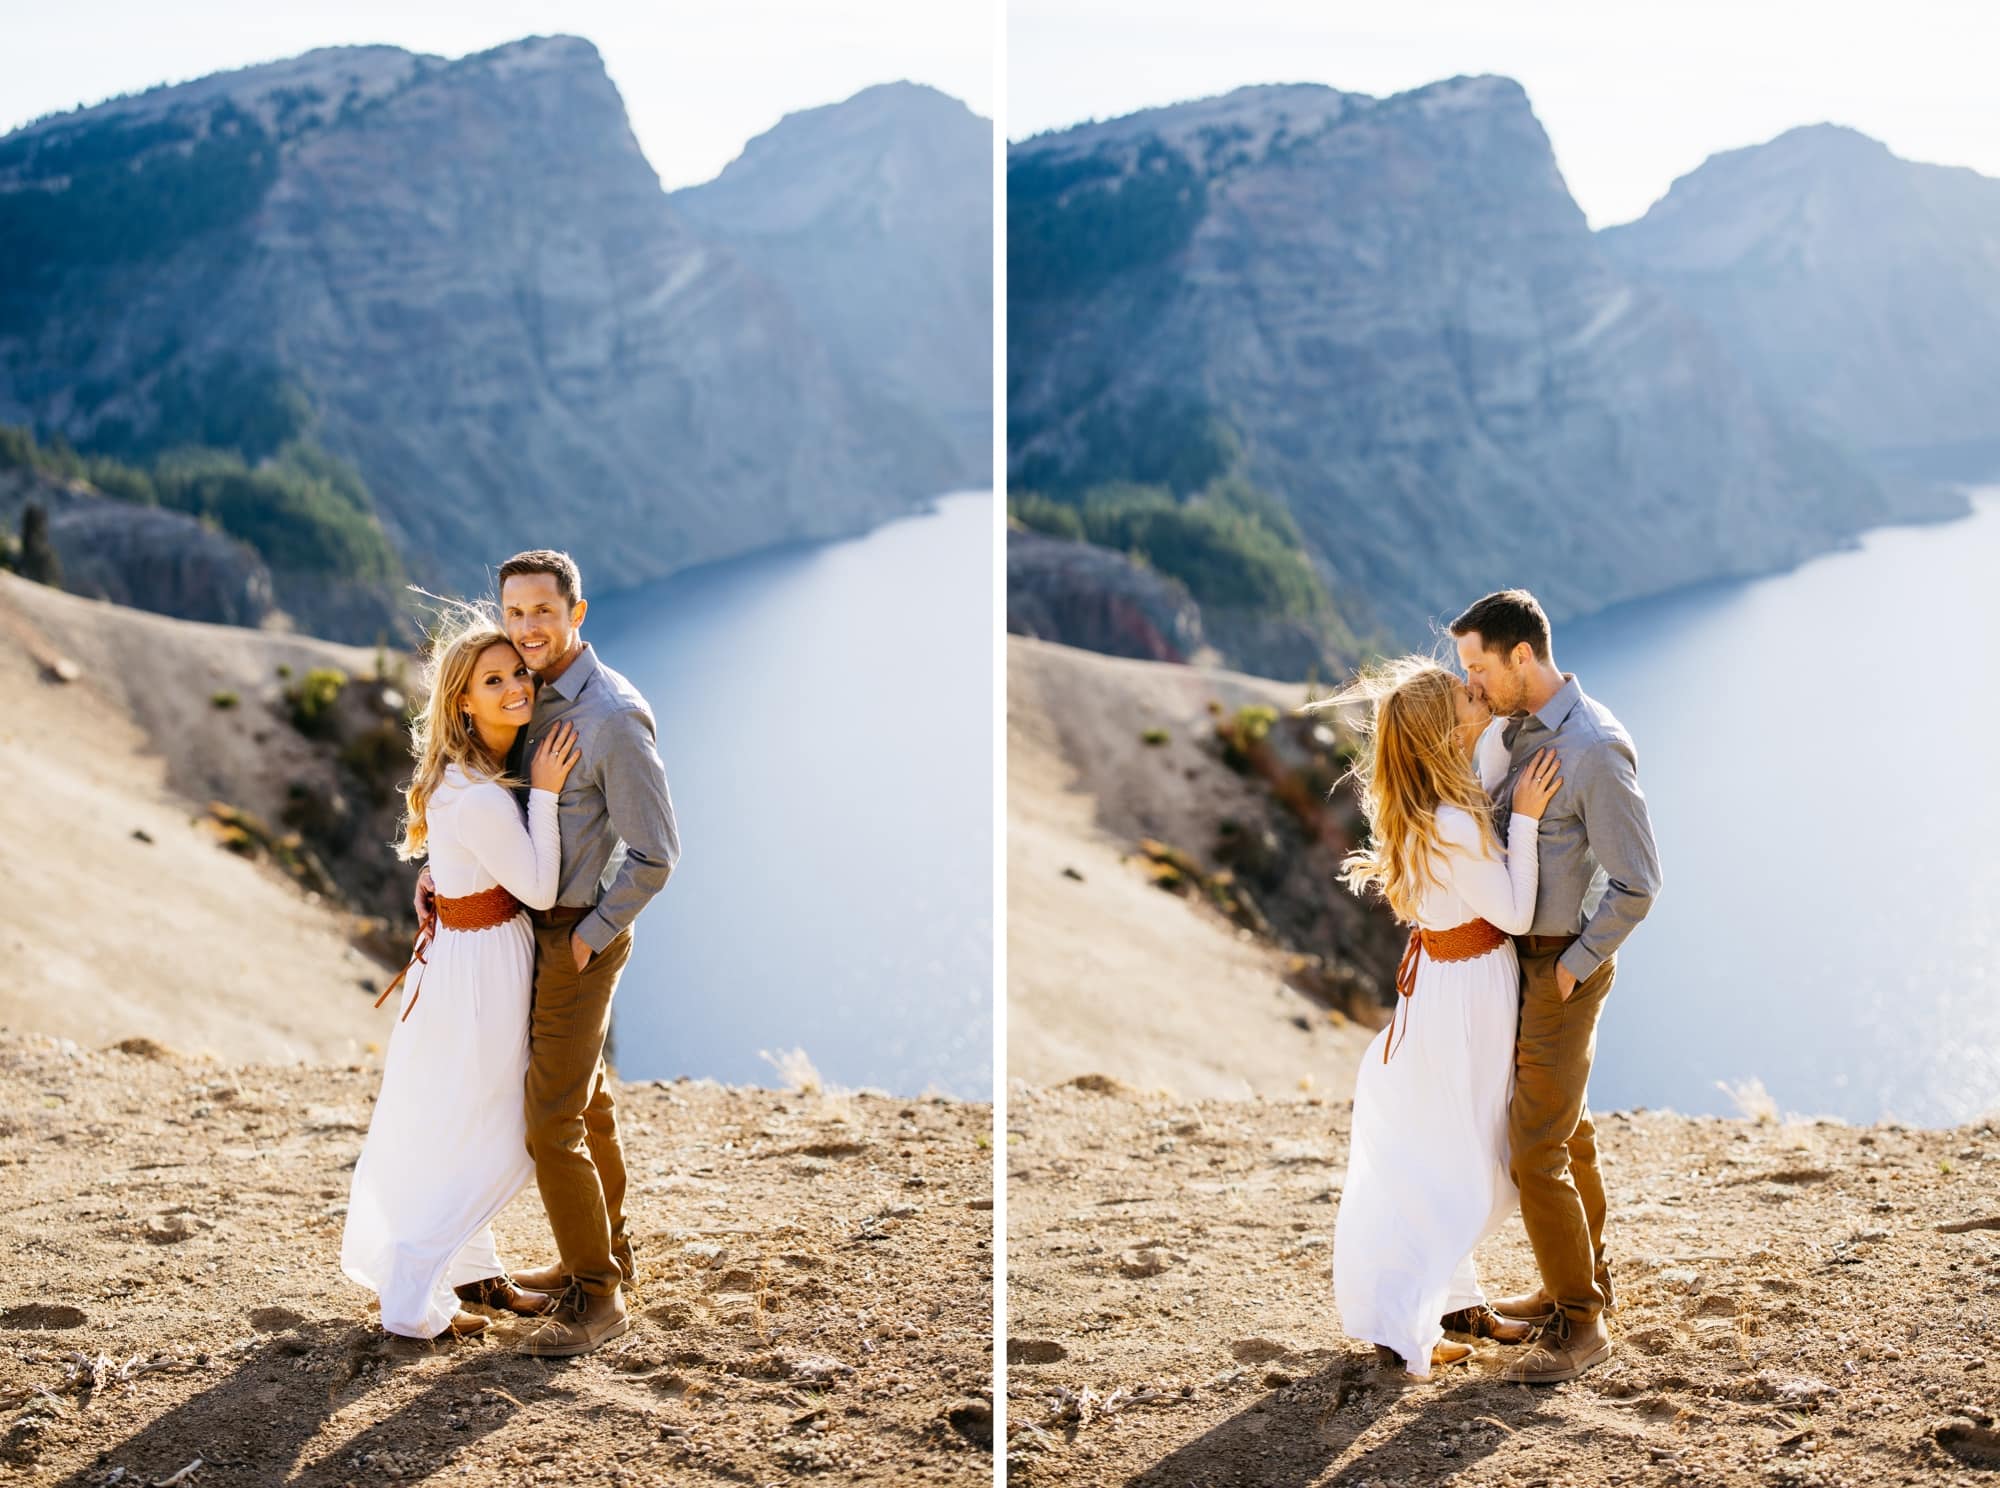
(461,277)
(876,217)
(142,556)
(1862,288)
(1390,315)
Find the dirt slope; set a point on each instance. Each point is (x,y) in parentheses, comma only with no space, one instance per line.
(125,918)
(1105,972)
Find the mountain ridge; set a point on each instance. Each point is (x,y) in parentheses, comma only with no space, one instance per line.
(462,278)
(1392,317)
(1861,287)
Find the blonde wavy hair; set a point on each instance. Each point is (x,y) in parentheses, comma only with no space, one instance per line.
(1408,767)
(442,734)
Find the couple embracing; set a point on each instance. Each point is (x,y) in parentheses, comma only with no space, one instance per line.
(1474,1098)
(495,1073)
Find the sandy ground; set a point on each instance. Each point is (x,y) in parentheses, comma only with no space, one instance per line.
(1106,973)
(1798,1305)
(110,934)
(815,1293)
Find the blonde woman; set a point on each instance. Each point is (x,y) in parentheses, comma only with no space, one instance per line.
(447,1145)
(1427,1175)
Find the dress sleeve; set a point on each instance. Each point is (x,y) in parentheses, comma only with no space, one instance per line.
(1491,757)
(1500,891)
(525,860)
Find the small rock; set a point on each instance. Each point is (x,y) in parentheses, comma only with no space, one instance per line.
(1259,1350)
(973,1420)
(169,1229)
(1035,1351)
(1151,1260)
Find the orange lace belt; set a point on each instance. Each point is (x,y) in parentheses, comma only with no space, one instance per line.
(1465,942)
(485,910)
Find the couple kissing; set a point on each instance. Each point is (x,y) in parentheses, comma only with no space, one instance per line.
(1508,829)
(541,808)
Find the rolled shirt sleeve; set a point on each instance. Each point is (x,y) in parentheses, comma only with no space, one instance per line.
(1620,832)
(641,813)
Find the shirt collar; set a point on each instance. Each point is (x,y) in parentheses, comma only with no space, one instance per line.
(575,675)
(1552,713)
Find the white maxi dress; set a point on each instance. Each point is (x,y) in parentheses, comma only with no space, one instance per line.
(1427,1170)
(447,1148)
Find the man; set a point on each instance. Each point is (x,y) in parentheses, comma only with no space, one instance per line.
(619,846)
(1599,876)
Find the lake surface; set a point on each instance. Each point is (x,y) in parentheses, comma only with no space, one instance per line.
(826,719)
(1818,750)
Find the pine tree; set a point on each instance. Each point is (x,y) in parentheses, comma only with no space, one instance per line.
(38,555)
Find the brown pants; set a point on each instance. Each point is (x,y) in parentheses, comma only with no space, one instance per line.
(572,1123)
(1553,1139)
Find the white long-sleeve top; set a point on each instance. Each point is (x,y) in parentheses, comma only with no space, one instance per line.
(477,839)
(1475,883)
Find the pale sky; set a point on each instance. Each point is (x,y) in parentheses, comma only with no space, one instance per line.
(1632,95)
(699,77)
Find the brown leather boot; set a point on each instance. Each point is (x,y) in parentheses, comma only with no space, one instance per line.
(463,1325)
(1563,1351)
(1442,1356)
(1538,1306)
(552,1278)
(578,1323)
(1484,1322)
(500,1294)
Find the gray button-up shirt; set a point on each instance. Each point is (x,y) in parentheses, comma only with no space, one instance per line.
(1599,869)
(619,841)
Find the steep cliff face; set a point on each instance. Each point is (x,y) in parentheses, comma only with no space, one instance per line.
(1389,314)
(1083,595)
(1862,288)
(141,556)
(464,278)
(876,217)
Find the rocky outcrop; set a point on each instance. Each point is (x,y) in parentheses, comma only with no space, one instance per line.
(467,275)
(1390,314)
(1862,288)
(143,556)
(876,217)
(161,561)
(1091,597)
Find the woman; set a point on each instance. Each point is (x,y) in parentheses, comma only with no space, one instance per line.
(447,1147)
(1427,1172)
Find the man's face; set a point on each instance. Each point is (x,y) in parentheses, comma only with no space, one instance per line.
(1501,682)
(540,623)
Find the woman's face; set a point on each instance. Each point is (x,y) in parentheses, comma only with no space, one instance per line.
(502,694)
(1473,714)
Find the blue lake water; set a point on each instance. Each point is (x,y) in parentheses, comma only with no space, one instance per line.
(1818,752)
(826,719)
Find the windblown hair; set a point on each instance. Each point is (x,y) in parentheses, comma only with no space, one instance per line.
(442,735)
(1407,768)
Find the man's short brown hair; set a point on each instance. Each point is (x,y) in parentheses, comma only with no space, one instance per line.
(545,561)
(1504,620)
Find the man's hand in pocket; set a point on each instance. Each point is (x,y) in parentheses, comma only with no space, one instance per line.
(580,951)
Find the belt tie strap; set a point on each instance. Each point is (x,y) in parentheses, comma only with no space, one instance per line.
(1465,942)
(482,911)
